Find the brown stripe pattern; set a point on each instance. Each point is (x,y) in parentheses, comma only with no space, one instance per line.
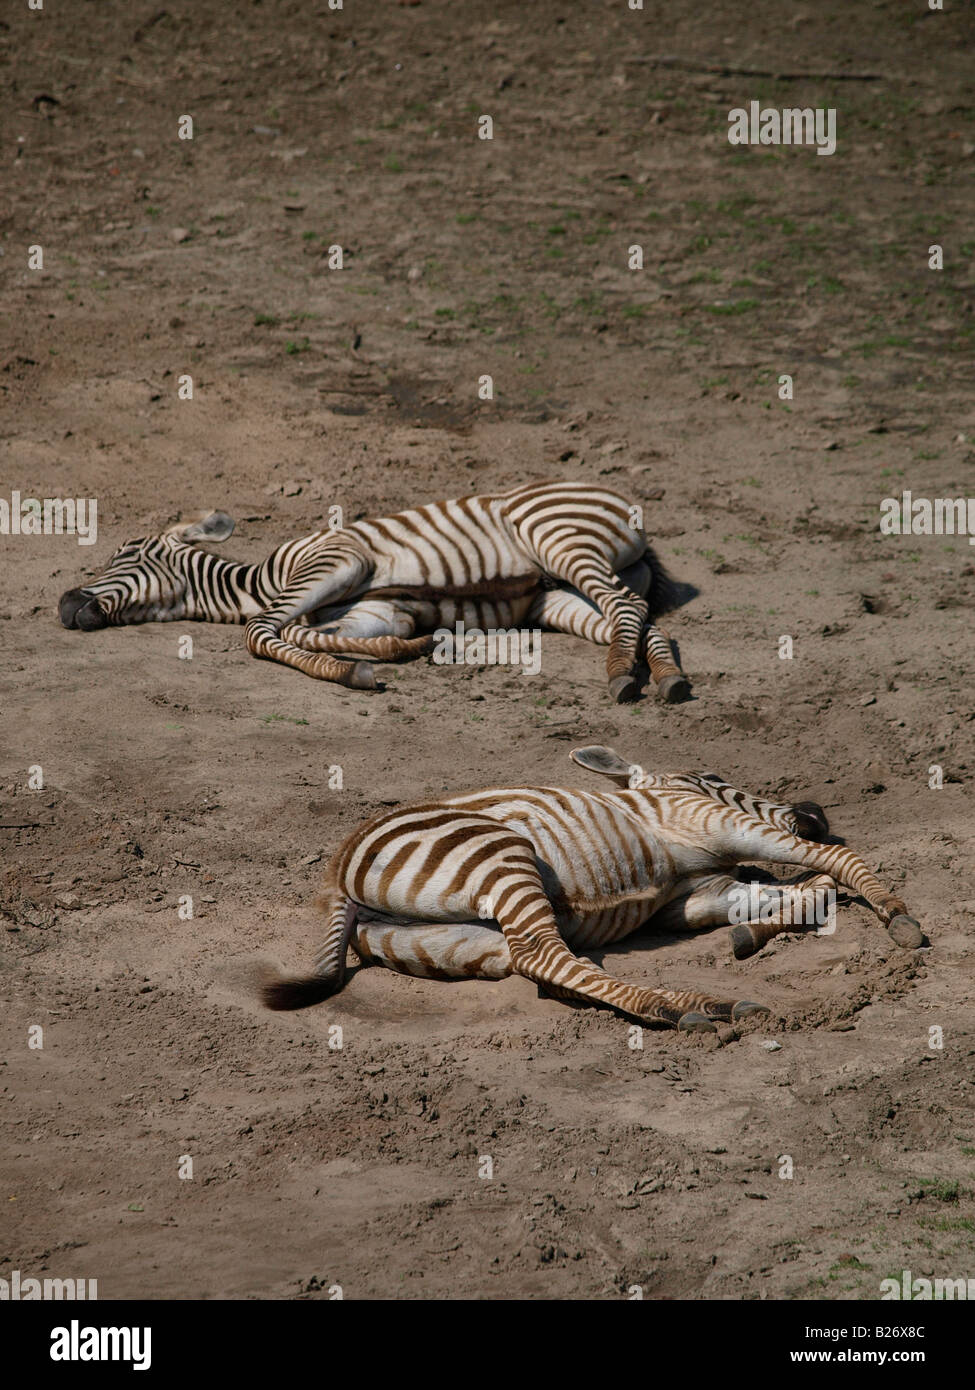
(516,880)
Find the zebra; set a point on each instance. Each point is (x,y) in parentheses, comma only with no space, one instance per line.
(513,880)
(565,557)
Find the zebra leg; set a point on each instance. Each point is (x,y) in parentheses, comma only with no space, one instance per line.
(698,902)
(562,610)
(672,685)
(333,576)
(781,908)
(757,841)
(512,890)
(669,679)
(327,974)
(371,628)
(378,648)
(566,610)
(435,950)
(770,908)
(627,612)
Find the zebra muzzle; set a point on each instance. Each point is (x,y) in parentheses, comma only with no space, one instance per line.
(80,610)
(811,822)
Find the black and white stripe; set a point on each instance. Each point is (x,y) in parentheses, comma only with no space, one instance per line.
(560,556)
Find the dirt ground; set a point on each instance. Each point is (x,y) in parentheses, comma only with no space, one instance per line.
(313,1165)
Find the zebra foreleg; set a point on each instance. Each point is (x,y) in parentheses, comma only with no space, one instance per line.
(371,627)
(782,908)
(760,911)
(842,864)
(309,591)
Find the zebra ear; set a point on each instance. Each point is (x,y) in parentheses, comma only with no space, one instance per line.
(215,527)
(604,761)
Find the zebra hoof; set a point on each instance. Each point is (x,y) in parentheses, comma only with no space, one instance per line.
(624,689)
(674,689)
(743,943)
(905,931)
(696,1023)
(745,1008)
(362,676)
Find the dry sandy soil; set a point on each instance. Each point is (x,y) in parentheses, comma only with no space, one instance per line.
(314,1166)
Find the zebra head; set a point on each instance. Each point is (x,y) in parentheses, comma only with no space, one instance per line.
(805,818)
(146,580)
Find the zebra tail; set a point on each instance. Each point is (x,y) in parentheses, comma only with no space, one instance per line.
(283,992)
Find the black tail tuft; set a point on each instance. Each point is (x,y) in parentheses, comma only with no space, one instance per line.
(282,992)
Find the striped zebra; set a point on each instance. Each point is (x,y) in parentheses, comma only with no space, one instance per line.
(564,557)
(513,880)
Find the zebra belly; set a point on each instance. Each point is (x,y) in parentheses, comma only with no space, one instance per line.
(371,616)
(611,924)
(364,618)
(482,613)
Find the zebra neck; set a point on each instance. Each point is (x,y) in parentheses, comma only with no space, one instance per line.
(223,591)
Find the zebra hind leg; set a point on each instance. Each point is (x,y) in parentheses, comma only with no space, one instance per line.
(539,952)
(435,950)
(587,570)
(565,610)
(672,685)
(387,648)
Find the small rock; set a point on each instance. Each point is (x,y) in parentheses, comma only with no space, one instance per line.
(770,1045)
(178,234)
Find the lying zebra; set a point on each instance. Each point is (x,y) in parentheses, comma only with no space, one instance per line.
(558,556)
(510,880)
